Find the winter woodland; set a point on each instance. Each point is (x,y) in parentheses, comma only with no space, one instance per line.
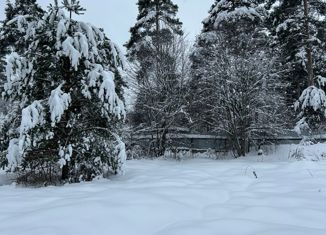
(255,72)
(163,135)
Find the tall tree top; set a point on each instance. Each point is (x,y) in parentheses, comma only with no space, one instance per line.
(224,11)
(294,30)
(22,7)
(10,35)
(282,11)
(156,18)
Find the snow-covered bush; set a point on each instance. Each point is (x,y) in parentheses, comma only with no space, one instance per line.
(178,153)
(69,90)
(211,153)
(312,110)
(308,151)
(135,152)
(297,154)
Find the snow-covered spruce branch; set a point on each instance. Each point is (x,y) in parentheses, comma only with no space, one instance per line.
(60,87)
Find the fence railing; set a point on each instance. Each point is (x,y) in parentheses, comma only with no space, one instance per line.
(197,142)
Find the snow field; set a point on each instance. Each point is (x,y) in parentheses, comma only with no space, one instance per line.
(191,197)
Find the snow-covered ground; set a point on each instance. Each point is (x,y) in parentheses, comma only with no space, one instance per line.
(190,197)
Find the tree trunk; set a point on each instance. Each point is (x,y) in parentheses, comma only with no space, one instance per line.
(161,140)
(308,45)
(65,117)
(65,172)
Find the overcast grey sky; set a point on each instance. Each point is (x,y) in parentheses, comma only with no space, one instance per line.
(117,16)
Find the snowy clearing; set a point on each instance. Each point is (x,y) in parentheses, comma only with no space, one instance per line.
(160,197)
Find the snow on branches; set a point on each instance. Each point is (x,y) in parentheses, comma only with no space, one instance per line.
(58,103)
(17,71)
(66,84)
(107,93)
(314,98)
(32,116)
(231,11)
(312,108)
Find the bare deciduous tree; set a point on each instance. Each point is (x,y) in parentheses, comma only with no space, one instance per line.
(161,95)
(241,96)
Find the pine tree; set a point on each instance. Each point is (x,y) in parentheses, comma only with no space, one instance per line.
(156,25)
(227,11)
(155,48)
(12,37)
(155,28)
(232,87)
(235,19)
(69,89)
(299,30)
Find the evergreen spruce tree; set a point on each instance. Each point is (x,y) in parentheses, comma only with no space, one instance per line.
(69,90)
(232,87)
(299,29)
(312,102)
(12,38)
(156,25)
(154,48)
(10,35)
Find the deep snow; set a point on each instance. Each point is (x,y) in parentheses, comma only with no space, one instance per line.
(190,197)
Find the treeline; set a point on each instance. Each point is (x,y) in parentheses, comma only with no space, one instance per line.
(256,69)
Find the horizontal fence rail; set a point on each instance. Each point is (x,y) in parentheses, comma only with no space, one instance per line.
(201,143)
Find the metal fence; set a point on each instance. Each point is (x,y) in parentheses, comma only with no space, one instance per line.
(201,143)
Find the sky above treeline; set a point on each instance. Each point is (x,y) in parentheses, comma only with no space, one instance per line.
(117,16)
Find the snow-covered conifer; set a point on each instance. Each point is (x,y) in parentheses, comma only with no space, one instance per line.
(299,29)
(12,38)
(157,24)
(69,90)
(157,50)
(311,107)
(18,13)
